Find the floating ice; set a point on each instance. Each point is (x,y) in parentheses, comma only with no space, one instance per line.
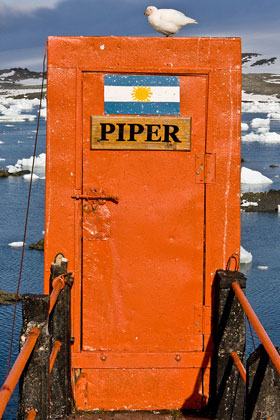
(262,130)
(11,109)
(267,107)
(2,159)
(248,176)
(266,137)
(1,142)
(27,163)
(40,163)
(245,256)
(16,244)
(27,177)
(274,115)
(12,169)
(244,127)
(262,267)
(260,122)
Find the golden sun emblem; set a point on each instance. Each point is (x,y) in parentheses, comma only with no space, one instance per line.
(141,93)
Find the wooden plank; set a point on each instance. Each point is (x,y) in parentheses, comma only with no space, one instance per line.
(140,133)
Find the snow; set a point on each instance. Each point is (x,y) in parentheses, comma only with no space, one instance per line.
(262,137)
(244,127)
(248,176)
(245,203)
(256,107)
(4,75)
(264,68)
(245,256)
(251,97)
(31,82)
(16,244)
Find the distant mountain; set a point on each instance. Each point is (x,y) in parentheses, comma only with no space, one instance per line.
(20,83)
(261,76)
(260,63)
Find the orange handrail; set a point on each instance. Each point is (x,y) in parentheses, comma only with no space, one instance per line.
(264,338)
(55,350)
(14,375)
(239,365)
(57,284)
(31,415)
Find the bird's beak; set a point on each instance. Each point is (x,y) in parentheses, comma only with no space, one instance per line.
(145,13)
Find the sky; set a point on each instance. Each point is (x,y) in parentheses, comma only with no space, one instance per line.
(26,24)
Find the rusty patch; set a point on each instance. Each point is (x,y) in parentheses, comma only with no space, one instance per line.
(97,222)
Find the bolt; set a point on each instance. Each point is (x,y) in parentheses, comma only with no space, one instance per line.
(178,358)
(103,357)
(72,340)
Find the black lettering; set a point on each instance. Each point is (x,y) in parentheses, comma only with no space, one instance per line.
(168,133)
(133,131)
(104,130)
(150,132)
(121,132)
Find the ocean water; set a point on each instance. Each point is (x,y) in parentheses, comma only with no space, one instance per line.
(260,234)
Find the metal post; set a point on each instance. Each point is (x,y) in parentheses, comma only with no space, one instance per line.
(33,385)
(61,400)
(227,389)
(20,363)
(263,387)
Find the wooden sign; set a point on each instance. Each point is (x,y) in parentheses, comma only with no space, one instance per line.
(140,133)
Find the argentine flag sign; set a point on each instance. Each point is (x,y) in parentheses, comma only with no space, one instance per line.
(141,95)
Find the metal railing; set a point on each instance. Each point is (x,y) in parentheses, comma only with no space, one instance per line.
(17,369)
(239,365)
(13,377)
(262,334)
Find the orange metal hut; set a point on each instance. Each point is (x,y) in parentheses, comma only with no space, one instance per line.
(142,197)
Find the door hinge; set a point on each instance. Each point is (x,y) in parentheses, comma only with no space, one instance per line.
(202,319)
(205,168)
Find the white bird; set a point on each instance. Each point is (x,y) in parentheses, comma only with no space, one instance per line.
(167,21)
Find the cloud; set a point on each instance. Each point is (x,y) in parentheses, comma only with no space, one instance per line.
(27,6)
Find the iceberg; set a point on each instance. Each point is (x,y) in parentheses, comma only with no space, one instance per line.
(248,176)
(244,127)
(260,122)
(27,177)
(262,137)
(245,256)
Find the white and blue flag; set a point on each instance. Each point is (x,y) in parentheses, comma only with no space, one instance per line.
(141,95)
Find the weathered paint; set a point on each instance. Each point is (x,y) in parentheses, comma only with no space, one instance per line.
(142,291)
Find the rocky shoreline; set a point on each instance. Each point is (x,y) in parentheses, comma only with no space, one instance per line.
(4,173)
(261,202)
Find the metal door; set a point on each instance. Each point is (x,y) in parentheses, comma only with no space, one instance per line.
(142,254)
